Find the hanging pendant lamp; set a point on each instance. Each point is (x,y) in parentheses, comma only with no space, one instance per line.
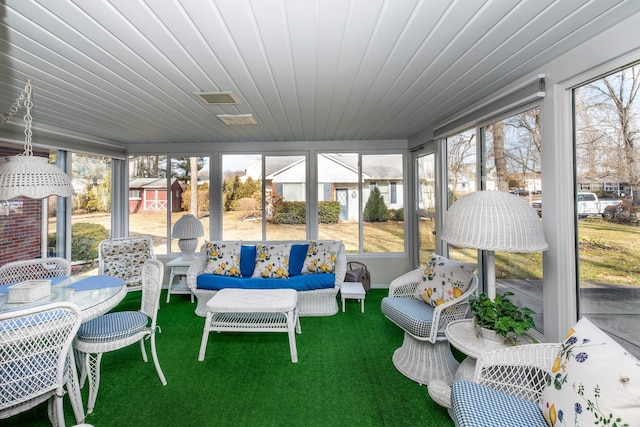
(26,175)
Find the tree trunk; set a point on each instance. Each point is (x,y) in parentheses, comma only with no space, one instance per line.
(502,181)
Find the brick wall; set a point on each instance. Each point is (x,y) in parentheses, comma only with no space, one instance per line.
(20,224)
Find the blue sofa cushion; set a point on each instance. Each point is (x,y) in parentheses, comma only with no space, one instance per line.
(296,259)
(247,260)
(299,283)
(410,314)
(476,405)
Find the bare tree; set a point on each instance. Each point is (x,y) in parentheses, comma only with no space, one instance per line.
(618,91)
(460,154)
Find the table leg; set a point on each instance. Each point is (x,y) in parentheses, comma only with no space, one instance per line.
(169,287)
(205,336)
(73,388)
(291,331)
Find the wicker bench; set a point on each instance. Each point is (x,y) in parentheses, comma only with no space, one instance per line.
(253,310)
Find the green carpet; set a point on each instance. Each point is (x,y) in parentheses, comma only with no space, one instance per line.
(344,376)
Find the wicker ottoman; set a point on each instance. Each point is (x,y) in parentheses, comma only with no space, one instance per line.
(253,310)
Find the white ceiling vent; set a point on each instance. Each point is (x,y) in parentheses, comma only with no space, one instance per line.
(237,119)
(217,97)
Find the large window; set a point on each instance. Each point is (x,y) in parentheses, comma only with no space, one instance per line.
(383,205)
(426,204)
(90,207)
(510,161)
(285,190)
(461,178)
(151,199)
(189,193)
(372,197)
(339,207)
(273,211)
(607,125)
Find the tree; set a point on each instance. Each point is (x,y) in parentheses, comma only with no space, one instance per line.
(461,155)
(376,210)
(618,92)
(497,130)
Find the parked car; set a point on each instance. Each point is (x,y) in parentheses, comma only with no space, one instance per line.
(588,204)
(520,192)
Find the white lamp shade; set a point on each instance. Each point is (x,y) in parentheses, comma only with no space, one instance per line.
(493,221)
(34,177)
(187,227)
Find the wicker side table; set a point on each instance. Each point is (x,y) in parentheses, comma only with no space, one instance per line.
(179,268)
(466,338)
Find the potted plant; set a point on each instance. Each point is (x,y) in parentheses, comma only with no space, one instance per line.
(501,316)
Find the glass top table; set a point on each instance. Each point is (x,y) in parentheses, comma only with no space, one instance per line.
(95,295)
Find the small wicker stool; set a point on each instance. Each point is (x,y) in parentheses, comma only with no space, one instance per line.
(253,310)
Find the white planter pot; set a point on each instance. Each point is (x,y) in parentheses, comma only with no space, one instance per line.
(490,335)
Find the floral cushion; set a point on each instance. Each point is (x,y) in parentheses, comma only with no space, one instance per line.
(272,261)
(321,257)
(223,258)
(443,280)
(123,258)
(594,382)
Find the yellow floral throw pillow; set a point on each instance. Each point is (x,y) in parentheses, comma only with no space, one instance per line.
(272,261)
(321,257)
(594,382)
(223,258)
(443,280)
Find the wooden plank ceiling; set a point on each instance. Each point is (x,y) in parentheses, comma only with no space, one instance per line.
(125,70)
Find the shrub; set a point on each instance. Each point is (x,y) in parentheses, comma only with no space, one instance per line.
(396,214)
(85,239)
(290,213)
(328,212)
(376,210)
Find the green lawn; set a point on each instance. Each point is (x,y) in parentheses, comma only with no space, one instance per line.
(608,251)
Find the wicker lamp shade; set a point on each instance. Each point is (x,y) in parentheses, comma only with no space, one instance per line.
(27,175)
(493,221)
(34,177)
(187,229)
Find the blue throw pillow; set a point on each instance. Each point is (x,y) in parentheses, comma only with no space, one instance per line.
(247,260)
(296,259)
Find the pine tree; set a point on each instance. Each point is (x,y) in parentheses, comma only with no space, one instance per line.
(376,210)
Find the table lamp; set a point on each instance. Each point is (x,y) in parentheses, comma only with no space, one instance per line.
(187,230)
(493,221)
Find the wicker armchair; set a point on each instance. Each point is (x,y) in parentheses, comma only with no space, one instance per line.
(424,355)
(31,269)
(35,356)
(113,331)
(507,387)
(123,257)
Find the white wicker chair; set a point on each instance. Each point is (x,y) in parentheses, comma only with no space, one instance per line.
(35,346)
(31,269)
(123,257)
(113,331)
(425,354)
(518,374)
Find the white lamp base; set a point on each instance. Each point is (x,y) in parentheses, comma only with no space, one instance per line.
(188,247)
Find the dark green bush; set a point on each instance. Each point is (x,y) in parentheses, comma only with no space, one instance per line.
(396,214)
(376,210)
(290,213)
(328,212)
(85,239)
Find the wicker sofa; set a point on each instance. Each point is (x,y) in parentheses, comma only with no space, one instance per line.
(314,302)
